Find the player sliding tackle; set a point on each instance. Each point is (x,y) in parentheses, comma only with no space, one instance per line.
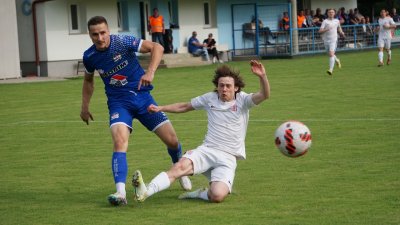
(228,115)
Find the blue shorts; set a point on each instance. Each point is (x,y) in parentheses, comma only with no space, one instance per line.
(124,109)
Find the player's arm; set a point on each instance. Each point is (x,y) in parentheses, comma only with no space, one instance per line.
(323,28)
(258,69)
(377,28)
(156,51)
(173,108)
(341,30)
(87,92)
(392,24)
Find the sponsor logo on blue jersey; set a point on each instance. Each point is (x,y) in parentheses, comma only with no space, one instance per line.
(115,69)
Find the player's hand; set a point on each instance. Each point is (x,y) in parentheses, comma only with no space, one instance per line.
(327,28)
(153,108)
(386,26)
(85,116)
(146,79)
(257,68)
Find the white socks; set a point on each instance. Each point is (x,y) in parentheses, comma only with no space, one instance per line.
(204,195)
(121,188)
(390,54)
(159,183)
(380,57)
(331,62)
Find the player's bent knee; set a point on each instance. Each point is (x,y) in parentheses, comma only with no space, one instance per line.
(217,197)
(218,192)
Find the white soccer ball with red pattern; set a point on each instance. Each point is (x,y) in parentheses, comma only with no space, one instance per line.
(293,138)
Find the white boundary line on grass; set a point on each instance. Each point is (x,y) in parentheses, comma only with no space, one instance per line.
(252,120)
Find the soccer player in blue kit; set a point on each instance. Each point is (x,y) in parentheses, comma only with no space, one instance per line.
(127,87)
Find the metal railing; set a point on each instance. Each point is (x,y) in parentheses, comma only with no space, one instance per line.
(265,42)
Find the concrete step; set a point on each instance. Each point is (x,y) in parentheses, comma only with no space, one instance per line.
(175,60)
(245,58)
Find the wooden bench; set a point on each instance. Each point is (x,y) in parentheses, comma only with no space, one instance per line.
(80,67)
(223,51)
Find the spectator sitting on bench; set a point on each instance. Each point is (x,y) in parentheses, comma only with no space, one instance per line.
(196,48)
(264,30)
(211,48)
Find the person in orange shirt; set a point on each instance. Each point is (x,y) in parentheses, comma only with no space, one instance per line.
(285,24)
(301,18)
(156,27)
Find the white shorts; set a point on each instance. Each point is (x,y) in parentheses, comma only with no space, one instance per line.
(384,43)
(330,45)
(214,164)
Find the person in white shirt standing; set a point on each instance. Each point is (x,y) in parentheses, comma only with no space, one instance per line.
(228,116)
(386,24)
(329,29)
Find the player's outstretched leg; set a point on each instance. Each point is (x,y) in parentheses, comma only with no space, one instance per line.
(201,193)
(176,154)
(139,186)
(117,199)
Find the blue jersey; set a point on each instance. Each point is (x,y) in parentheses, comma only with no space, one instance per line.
(118,65)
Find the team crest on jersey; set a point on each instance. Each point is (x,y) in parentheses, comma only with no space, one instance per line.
(189,152)
(114,116)
(234,108)
(118,80)
(117,57)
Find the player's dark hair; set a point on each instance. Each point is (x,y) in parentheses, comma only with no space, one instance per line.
(96,20)
(327,10)
(226,71)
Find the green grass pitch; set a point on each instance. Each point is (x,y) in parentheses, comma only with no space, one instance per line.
(56,170)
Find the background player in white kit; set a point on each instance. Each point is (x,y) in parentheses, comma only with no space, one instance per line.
(386,24)
(329,29)
(228,115)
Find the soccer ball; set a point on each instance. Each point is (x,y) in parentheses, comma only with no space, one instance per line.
(293,138)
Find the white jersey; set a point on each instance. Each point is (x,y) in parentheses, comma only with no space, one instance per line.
(383,32)
(331,34)
(227,122)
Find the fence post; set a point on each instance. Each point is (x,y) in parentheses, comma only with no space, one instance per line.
(293,28)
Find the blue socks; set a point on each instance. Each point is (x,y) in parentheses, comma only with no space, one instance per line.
(119,164)
(119,167)
(175,154)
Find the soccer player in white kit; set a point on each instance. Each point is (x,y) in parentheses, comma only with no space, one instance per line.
(329,29)
(386,24)
(228,116)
